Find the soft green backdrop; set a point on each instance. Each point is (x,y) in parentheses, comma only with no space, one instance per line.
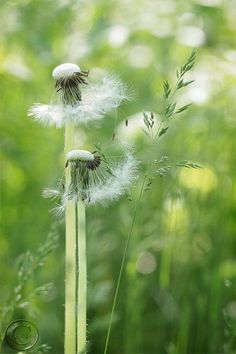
(178,292)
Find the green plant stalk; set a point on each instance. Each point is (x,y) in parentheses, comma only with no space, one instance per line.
(123,261)
(82,283)
(70,256)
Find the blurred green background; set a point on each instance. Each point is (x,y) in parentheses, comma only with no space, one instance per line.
(178,292)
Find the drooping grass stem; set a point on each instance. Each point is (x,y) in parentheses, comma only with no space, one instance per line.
(82,282)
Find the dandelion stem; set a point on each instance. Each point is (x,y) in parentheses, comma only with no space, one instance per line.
(71,274)
(69,138)
(123,262)
(82,285)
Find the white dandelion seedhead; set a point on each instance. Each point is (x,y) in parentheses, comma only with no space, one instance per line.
(66,70)
(95,181)
(92,104)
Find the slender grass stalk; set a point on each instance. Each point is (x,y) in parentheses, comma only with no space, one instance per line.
(123,260)
(71,252)
(119,280)
(82,285)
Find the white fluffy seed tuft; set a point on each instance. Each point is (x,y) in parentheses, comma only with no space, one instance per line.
(51,193)
(98,100)
(66,70)
(122,178)
(80,155)
(48,115)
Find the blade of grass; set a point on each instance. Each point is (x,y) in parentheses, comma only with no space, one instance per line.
(123,262)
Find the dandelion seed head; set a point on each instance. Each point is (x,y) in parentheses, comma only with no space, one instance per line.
(92,104)
(80,155)
(96,181)
(65,71)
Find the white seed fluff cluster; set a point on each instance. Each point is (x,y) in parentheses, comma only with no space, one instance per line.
(80,155)
(123,176)
(97,100)
(48,115)
(65,71)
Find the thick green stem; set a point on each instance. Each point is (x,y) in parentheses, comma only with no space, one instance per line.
(76,283)
(71,254)
(82,288)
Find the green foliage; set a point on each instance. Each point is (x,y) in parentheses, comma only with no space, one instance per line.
(41,349)
(184,69)
(188,164)
(27,264)
(170,103)
(163,131)
(163,169)
(169,111)
(167,89)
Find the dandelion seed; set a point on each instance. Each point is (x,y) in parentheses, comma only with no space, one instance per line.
(77,100)
(51,193)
